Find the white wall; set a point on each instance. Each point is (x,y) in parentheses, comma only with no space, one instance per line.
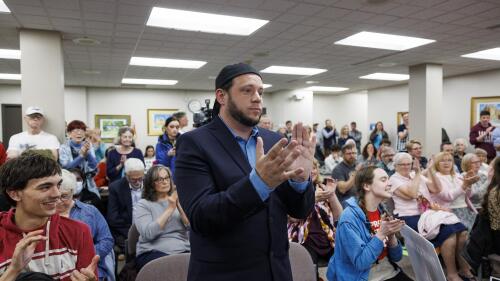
(457,95)
(135,102)
(75,101)
(342,110)
(282,106)
(384,104)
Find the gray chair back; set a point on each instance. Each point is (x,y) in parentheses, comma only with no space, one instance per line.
(303,268)
(167,268)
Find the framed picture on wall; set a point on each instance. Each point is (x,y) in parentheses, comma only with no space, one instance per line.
(156,120)
(399,118)
(110,124)
(491,104)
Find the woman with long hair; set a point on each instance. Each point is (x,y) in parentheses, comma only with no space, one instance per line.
(368,155)
(149,157)
(378,134)
(366,246)
(165,148)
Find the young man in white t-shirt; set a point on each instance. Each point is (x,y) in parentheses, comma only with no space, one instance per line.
(34,137)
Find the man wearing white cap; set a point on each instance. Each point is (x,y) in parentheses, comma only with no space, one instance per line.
(34,137)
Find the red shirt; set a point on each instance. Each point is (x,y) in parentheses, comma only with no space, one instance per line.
(374,219)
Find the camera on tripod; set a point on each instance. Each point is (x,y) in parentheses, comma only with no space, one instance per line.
(204,116)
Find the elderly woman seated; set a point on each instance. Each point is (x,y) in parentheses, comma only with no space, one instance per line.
(88,214)
(411,195)
(471,165)
(159,218)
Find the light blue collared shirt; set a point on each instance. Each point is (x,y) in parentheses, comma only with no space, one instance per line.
(249,147)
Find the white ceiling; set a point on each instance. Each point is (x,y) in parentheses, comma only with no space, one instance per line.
(300,33)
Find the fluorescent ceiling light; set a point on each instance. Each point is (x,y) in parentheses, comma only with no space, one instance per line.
(10,54)
(3,7)
(326,89)
(383,41)
(386,76)
(173,63)
(148,81)
(490,54)
(204,22)
(267,86)
(292,70)
(9,76)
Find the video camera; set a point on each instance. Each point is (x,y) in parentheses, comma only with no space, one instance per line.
(204,116)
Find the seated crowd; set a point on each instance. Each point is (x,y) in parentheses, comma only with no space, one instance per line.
(85,193)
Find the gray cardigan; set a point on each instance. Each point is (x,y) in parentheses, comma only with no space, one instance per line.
(173,239)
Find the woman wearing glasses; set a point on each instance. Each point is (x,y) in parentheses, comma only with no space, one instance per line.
(88,214)
(159,218)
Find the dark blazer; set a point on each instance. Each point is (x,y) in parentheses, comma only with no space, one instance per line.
(119,207)
(234,235)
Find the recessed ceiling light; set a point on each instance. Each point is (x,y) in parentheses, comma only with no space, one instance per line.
(86,41)
(387,64)
(173,63)
(9,76)
(204,22)
(292,70)
(93,72)
(148,81)
(326,89)
(267,86)
(312,82)
(489,54)
(386,76)
(10,54)
(3,7)
(383,41)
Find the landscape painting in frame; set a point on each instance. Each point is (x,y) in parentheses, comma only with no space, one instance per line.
(110,124)
(156,120)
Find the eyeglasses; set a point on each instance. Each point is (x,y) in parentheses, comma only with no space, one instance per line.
(136,179)
(66,197)
(404,164)
(165,179)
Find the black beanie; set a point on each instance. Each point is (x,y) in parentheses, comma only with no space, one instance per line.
(231,71)
(227,74)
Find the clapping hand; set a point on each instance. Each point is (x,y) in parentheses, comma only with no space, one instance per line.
(25,248)
(306,144)
(86,274)
(283,162)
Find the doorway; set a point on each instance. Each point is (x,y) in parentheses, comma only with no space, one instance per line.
(12,121)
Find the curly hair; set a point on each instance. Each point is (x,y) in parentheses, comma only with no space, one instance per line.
(149,192)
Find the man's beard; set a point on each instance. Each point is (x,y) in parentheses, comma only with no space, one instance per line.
(239,116)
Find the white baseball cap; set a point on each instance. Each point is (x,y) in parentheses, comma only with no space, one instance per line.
(34,110)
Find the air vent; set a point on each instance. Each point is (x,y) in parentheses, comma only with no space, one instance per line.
(86,41)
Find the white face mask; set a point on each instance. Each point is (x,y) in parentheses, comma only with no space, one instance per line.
(79,187)
(390,165)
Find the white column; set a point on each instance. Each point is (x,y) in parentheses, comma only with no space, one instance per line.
(425,105)
(42,77)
